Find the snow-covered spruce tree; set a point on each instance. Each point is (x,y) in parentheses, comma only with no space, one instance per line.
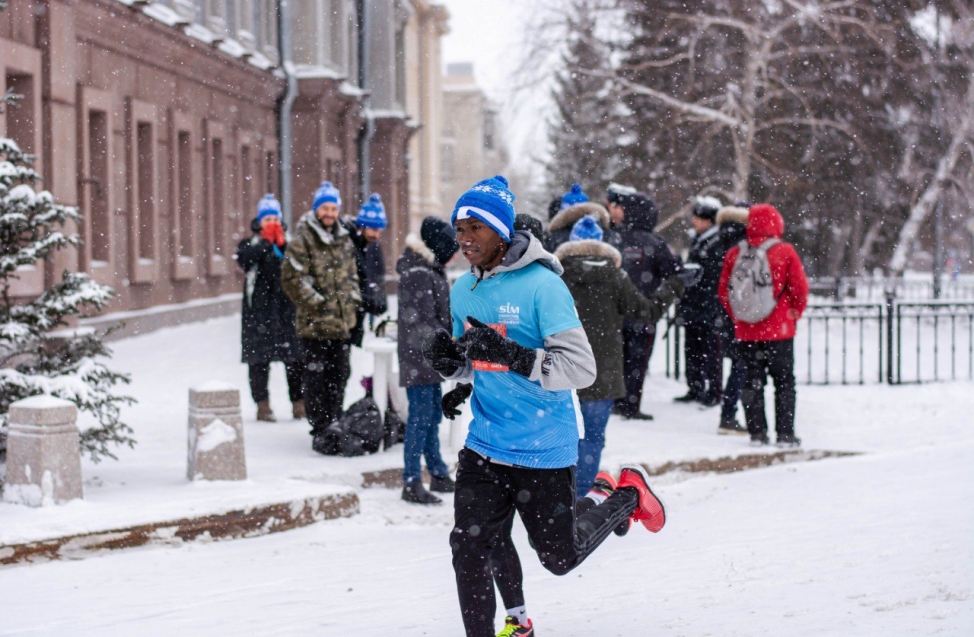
(586,129)
(31,362)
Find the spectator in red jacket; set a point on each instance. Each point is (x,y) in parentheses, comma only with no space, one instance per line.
(767,346)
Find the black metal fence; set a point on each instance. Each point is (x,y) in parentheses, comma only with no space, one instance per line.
(874,289)
(893,341)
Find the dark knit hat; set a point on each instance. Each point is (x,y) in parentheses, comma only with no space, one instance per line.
(531,224)
(706,208)
(554,207)
(439,237)
(617,193)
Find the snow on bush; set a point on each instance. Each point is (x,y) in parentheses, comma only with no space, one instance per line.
(34,360)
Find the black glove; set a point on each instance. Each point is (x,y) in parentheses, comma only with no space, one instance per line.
(690,274)
(483,343)
(454,398)
(442,352)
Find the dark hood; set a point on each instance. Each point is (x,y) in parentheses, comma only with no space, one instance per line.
(640,213)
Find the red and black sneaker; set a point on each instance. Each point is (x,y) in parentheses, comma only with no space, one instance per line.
(603,485)
(513,628)
(649,509)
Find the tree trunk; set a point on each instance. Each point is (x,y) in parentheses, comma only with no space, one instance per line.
(927,202)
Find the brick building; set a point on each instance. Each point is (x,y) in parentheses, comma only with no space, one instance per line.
(160,121)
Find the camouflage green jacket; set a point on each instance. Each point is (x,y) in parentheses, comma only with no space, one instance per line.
(319,275)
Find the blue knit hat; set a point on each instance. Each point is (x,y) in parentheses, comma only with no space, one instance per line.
(573,196)
(490,201)
(372,214)
(326,193)
(268,206)
(586,228)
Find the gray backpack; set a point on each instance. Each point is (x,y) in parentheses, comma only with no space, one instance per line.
(751,289)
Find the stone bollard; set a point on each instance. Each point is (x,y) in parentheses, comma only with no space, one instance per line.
(216,442)
(43,452)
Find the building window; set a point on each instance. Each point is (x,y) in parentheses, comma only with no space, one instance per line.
(184,201)
(20,69)
(247,186)
(447,163)
(400,62)
(142,177)
(270,171)
(98,240)
(351,42)
(216,192)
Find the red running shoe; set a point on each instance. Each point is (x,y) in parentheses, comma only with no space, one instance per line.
(649,510)
(512,628)
(604,484)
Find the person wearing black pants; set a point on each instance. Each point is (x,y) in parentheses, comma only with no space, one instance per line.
(487,493)
(761,359)
(260,376)
(326,373)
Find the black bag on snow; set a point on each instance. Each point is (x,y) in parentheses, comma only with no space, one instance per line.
(358,432)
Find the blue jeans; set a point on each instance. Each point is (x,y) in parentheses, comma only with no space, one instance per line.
(423,433)
(595,414)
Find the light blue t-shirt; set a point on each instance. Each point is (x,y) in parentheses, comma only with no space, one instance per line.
(515,420)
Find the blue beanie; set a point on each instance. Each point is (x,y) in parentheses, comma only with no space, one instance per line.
(573,196)
(268,206)
(586,228)
(372,214)
(326,193)
(490,201)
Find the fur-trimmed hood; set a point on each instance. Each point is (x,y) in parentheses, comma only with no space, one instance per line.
(589,248)
(414,243)
(567,217)
(732,214)
(310,219)
(417,256)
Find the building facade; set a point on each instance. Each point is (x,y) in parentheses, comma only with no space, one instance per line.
(427,25)
(159,121)
(470,145)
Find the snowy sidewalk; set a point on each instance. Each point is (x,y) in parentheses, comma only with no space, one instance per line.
(872,544)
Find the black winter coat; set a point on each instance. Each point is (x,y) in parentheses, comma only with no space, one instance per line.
(700,304)
(645,256)
(267,330)
(424,306)
(604,297)
(371,277)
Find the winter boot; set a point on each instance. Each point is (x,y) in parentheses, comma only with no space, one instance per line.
(788,442)
(730,427)
(297,410)
(649,509)
(513,628)
(710,400)
(638,415)
(264,413)
(416,493)
(443,485)
(690,397)
(759,440)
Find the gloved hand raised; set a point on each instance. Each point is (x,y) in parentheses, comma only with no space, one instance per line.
(274,233)
(483,343)
(442,352)
(454,398)
(690,274)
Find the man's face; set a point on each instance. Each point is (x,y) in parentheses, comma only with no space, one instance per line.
(700,225)
(370,234)
(479,243)
(327,213)
(616,212)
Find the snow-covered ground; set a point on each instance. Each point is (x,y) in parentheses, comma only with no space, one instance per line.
(880,543)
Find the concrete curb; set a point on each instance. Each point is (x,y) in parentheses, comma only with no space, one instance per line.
(252,522)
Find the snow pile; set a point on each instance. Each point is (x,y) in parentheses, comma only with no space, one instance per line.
(215,434)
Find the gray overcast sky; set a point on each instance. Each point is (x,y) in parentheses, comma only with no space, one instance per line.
(490,33)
